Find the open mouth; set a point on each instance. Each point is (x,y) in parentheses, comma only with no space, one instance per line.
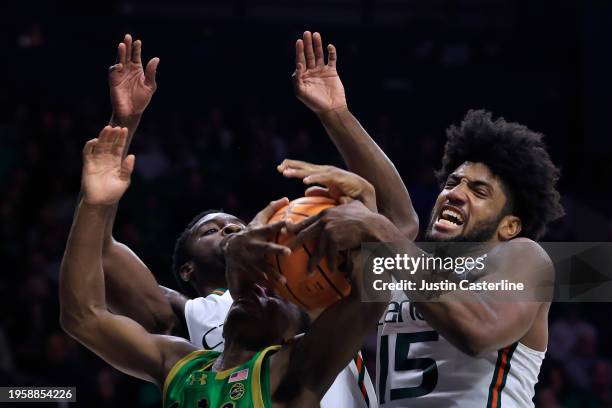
(451,217)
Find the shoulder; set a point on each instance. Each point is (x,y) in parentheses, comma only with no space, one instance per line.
(522,257)
(173,350)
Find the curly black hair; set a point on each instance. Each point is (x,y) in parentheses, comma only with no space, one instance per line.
(181,253)
(517,156)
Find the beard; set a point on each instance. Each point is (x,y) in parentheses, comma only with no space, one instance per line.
(482,231)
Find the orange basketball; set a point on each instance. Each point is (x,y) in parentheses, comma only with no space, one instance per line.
(321,288)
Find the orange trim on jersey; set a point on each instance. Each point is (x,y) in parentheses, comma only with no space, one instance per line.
(499,375)
(358,362)
(502,368)
(361,372)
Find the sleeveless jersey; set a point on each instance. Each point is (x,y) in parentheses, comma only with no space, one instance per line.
(205,316)
(192,384)
(417,367)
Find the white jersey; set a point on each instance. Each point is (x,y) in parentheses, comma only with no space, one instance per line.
(417,367)
(205,317)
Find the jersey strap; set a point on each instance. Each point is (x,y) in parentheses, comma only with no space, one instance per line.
(179,364)
(500,374)
(361,371)
(256,385)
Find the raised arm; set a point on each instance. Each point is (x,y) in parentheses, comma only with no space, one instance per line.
(83,311)
(131,85)
(477,322)
(318,86)
(474,321)
(333,339)
(130,286)
(340,185)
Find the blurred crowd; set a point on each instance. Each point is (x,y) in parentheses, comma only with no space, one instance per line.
(223,118)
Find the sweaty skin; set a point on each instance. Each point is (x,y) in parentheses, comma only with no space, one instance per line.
(480,322)
(316,358)
(131,287)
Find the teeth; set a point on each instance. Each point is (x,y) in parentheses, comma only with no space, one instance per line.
(451,217)
(452,213)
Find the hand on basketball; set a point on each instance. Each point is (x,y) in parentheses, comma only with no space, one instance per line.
(316,83)
(131,86)
(335,229)
(106,175)
(340,185)
(246,251)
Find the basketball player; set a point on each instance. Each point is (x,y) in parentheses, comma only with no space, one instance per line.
(262,365)
(498,187)
(132,289)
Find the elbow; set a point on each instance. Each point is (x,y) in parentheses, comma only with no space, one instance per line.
(69,324)
(108,243)
(410,228)
(475,343)
(78,323)
(474,349)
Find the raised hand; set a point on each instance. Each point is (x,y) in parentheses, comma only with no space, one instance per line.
(341,185)
(131,86)
(246,251)
(106,175)
(316,83)
(335,230)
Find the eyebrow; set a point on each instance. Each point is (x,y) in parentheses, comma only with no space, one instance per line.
(217,222)
(472,183)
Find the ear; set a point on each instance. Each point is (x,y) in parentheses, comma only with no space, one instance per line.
(509,227)
(186,271)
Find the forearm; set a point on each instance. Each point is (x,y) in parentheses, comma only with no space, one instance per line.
(363,157)
(132,290)
(478,325)
(476,321)
(131,123)
(117,339)
(81,278)
(466,325)
(322,361)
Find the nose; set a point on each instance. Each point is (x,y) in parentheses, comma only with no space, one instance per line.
(231,229)
(457,194)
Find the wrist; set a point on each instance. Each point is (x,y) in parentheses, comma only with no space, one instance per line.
(125,120)
(333,112)
(379,229)
(85,205)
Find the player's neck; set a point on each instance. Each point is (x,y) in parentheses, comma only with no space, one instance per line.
(205,289)
(233,355)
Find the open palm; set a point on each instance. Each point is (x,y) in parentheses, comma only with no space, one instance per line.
(317,84)
(131,86)
(106,176)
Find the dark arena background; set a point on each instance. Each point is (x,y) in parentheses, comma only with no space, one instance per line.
(225,115)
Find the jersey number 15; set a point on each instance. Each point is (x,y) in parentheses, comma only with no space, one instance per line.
(402,363)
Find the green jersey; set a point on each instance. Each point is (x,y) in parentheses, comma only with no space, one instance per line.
(192,384)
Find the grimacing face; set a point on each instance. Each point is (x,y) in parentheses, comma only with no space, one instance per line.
(470,206)
(261,318)
(205,240)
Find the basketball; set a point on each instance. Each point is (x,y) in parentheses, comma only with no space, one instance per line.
(311,291)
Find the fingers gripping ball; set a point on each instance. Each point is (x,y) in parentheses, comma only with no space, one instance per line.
(311,291)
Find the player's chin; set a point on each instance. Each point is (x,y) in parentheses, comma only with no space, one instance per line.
(249,311)
(439,232)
